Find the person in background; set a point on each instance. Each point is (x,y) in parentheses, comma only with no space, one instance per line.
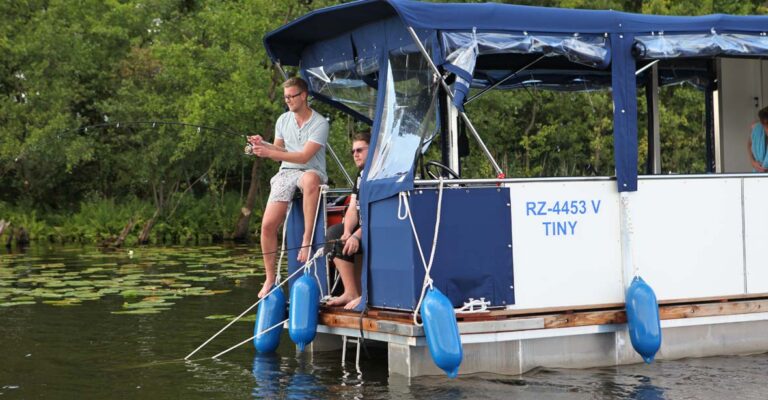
(756,146)
(301,134)
(346,236)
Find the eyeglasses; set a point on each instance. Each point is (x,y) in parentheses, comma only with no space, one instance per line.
(291,96)
(359,150)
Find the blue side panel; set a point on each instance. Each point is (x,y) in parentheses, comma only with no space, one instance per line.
(293,241)
(473,256)
(393,281)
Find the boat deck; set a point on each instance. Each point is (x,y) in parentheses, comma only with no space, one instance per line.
(515,341)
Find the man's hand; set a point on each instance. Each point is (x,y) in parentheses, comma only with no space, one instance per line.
(758,167)
(255,140)
(351,246)
(262,151)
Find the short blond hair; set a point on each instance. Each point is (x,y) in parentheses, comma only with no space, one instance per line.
(296,82)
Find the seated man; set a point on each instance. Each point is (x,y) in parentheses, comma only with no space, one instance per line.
(348,234)
(300,137)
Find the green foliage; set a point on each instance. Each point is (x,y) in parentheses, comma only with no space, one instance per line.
(68,65)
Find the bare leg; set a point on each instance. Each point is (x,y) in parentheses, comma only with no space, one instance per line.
(274,215)
(358,281)
(310,187)
(351,289)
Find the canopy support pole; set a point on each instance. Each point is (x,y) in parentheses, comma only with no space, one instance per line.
(341,166)
(327,145)
(508,77)
(653,163)
(448,90)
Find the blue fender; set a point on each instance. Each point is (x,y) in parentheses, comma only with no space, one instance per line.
(271,311)
(302,315)
(643,319)
(442,332)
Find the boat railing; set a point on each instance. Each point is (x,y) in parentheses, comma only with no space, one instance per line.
(426,183)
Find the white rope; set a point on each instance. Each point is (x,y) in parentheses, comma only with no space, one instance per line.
(282,247)
(400,216)
(323,189)
(317,278)
(630,230)
(427,266)
(277,286)
(270,328)
(249,339)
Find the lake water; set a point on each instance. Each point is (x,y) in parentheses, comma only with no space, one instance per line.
(78,323)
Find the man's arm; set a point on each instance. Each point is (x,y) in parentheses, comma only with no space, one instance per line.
(350,218)
(278,153)
(352,239)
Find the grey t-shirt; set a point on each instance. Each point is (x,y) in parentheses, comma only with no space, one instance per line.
(315,129)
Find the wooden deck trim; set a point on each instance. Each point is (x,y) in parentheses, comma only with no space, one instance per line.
(609,314)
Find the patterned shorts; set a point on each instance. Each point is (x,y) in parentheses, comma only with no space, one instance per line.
(284,183)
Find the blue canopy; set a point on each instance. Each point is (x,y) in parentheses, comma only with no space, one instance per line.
(337,38)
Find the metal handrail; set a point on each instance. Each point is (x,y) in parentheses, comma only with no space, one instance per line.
(489,182)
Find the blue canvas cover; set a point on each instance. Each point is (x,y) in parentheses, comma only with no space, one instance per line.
(287,43)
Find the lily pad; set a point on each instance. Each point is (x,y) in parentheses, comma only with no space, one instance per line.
(16,303)
(63,303)
(142,311)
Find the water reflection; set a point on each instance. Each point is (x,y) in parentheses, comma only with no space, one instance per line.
(647,391)
(267,374)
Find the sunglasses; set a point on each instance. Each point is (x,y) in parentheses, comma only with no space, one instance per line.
(292,96)
(359,150)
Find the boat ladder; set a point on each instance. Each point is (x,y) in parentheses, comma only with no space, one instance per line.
(344,340)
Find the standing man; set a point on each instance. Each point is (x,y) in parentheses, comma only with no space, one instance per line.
(301,134)
(350,232)
(757,149)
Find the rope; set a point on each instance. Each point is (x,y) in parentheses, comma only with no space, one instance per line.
(427,266)
(320,198)
(630,230)
(282,246)
(249,339)
(303,268)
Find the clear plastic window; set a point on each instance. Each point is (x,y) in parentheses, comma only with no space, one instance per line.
(409,115)
(462,47)
(660,46)
(352,84)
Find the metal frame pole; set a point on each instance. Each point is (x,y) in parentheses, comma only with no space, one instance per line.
(341,167)
(508,77)
(450,94)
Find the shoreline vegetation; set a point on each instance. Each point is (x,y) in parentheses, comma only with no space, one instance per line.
(110,223)
(123,122)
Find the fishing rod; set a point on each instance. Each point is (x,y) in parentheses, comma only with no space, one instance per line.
(247,256)
(153,124)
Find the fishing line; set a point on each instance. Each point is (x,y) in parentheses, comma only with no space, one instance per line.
(153,124)
(257,255)
(118,124)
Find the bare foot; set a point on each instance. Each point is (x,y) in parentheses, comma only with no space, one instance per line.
(335,302)
(340,301)
(267,287)
(353,303)
(304,252)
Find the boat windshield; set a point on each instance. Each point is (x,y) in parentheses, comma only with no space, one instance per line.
(351,83)
(409,115)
